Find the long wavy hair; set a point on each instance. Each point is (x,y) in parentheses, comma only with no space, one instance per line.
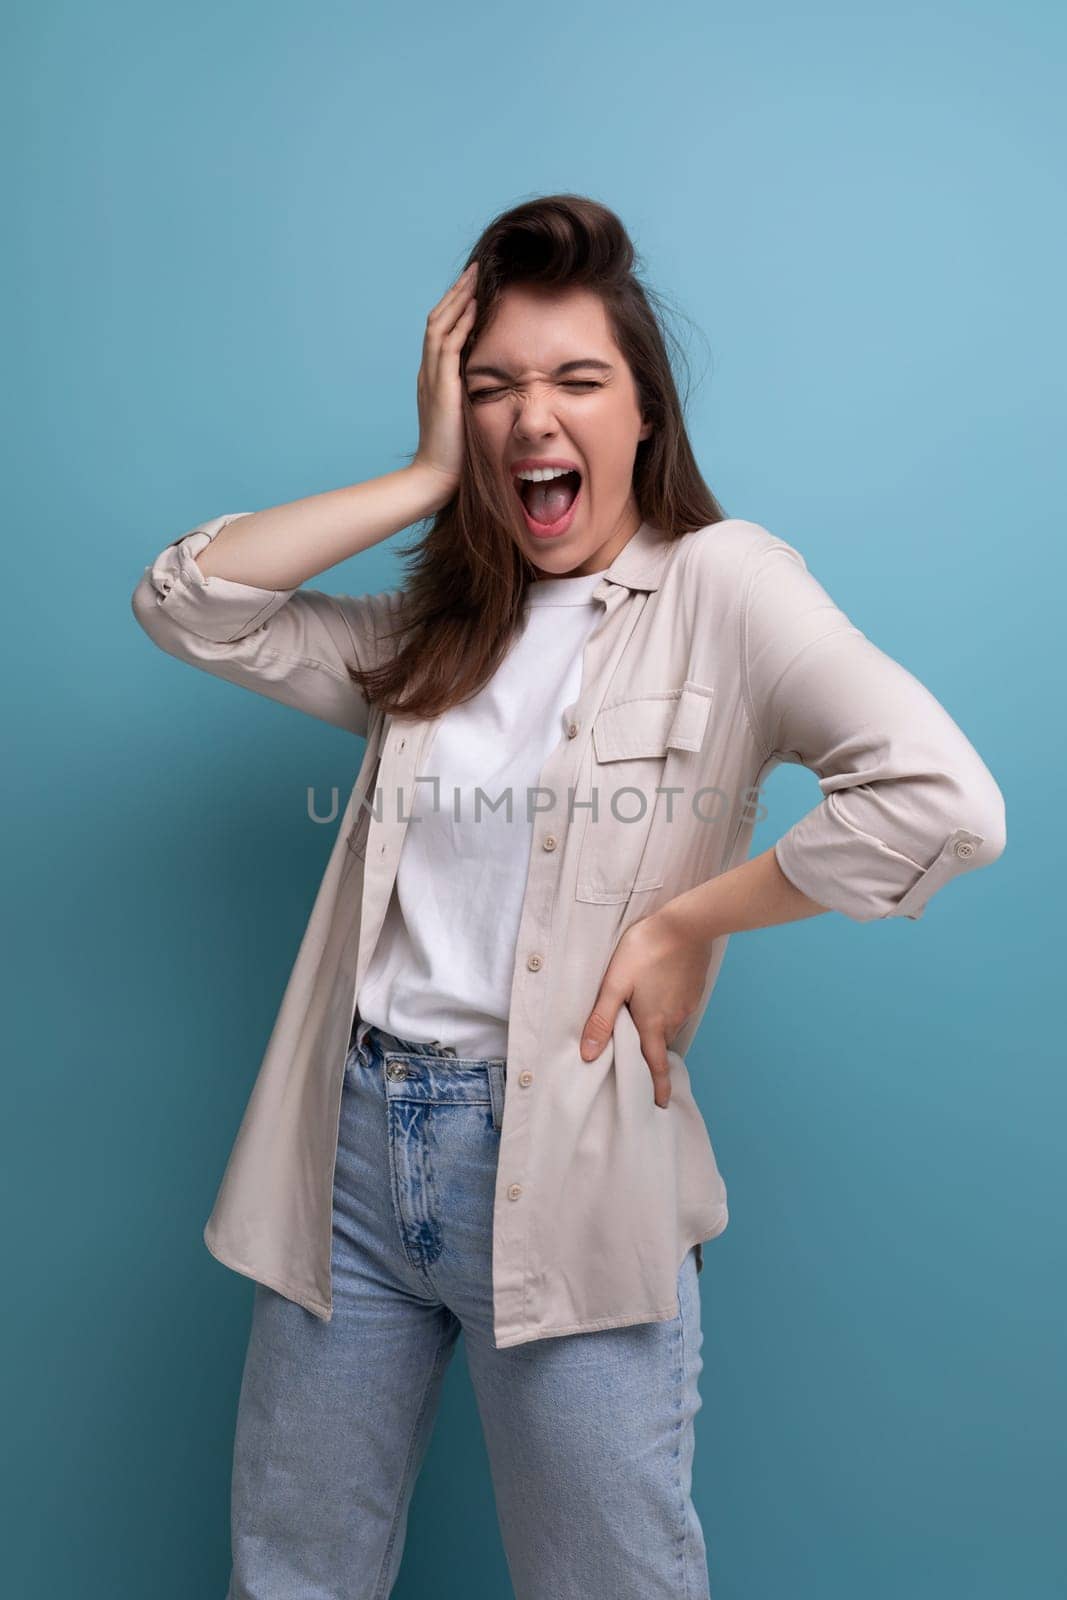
(462,598)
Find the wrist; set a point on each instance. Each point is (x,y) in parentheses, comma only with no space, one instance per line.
(435,487)
(691,917)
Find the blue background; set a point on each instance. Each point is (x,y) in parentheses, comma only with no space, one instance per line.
(227,227)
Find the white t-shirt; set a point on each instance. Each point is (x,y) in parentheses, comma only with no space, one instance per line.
(442,968)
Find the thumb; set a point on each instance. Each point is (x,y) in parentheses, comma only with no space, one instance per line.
(599,1025)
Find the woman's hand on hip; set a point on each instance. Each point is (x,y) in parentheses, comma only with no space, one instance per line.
(659,973)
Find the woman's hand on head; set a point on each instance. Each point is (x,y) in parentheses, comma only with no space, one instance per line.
(659,973)
(440,395)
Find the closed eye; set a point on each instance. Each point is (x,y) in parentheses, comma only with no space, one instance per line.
(577,383)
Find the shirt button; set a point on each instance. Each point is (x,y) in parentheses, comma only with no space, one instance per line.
(535,963)
(572,729)
(514,1191)
(549,842)
(964,849)
(396,1069)
(526,1078)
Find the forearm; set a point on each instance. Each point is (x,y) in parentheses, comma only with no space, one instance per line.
(756,894)
(283,546)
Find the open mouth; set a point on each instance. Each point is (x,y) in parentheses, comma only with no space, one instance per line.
(549,506)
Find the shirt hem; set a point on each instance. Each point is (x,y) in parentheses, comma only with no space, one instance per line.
(317,1308)
(599,1324)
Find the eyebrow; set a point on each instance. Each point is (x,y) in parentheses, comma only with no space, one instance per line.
(568,366)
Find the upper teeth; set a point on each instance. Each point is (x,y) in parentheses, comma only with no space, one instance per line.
(542,474)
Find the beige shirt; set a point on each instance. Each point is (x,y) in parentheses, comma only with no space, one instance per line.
(718,657)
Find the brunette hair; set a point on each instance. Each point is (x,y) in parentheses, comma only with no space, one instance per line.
(462,599)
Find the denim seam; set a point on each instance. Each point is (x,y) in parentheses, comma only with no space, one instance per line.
(394,1179)
(679,1376)
(682,1399)
(380,1593)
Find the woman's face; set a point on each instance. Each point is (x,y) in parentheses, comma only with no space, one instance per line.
(547,382)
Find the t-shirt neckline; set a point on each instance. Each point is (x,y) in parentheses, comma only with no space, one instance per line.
(564,591)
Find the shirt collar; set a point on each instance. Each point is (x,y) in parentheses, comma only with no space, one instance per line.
(640,562)
(640,565)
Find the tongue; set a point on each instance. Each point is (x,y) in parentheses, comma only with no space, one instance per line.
(546,502)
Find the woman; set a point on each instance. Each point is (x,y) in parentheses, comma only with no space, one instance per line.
(474,1110)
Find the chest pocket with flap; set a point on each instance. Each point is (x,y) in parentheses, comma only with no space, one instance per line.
(639,745)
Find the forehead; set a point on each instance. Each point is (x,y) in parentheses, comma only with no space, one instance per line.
(541,328)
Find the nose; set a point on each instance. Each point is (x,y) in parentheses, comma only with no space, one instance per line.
(535,423)
(535,417)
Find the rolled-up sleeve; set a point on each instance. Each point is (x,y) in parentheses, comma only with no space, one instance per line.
(908,804)
(292,645)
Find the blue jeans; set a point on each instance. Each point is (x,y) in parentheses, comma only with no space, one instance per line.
(589,1436)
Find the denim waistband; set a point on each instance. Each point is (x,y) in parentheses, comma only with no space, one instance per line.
(392,1043)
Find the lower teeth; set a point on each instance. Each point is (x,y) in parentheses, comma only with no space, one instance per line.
(551,520)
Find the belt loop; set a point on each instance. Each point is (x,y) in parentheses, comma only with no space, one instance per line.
(363,1027)
(496,1092)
